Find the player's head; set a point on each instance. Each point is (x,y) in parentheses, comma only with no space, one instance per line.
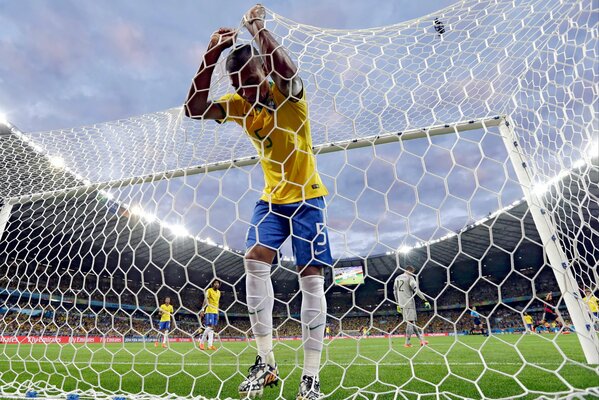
(410,270)
(587,291)
(167,300)
(473,308)
(248,73)
(215,284)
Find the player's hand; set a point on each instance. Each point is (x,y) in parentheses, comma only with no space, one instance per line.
(254,19)
(202,313)
(399,309)
(427,305)
(222,38)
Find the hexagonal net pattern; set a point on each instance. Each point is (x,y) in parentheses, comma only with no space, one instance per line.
(463,144)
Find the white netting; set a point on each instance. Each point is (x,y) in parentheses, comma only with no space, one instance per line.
(98,224)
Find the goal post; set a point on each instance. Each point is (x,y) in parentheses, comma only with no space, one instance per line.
(571,292)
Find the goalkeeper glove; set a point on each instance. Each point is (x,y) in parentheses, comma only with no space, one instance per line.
(399,309)
(427,305)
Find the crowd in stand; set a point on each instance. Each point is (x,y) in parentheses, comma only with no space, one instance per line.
(129,308)
(101,324)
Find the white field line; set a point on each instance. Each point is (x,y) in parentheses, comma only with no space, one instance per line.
(188,364)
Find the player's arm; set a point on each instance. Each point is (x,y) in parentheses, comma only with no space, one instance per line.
(204,305)
(278,63)
(418,293)
(198,105)
(396,294)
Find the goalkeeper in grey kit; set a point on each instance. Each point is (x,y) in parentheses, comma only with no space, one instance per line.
(405,288)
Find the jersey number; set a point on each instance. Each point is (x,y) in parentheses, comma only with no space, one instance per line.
(400,288)
(268,144)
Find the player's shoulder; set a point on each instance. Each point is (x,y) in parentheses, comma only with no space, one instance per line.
(281,97)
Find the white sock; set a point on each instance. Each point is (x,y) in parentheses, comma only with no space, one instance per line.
(313,316)
(203,338)
(260,301)
(210,337)
(165,337)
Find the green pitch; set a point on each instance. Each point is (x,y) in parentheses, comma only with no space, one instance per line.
(448,367)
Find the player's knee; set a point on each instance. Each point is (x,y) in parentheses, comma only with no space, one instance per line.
(260,253)
(309,270)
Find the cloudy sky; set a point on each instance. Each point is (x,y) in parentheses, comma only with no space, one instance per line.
(70,63)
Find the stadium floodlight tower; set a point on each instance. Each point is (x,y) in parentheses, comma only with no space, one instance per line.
(421,130)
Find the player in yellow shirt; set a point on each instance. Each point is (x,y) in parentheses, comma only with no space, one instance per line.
(210,314)
(592,302)
(528,322)
(274,115)
(166,311)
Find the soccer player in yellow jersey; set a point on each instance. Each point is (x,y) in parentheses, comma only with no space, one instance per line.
(210,314)
(274,115)
(529,322)
(592,302)
(166,311)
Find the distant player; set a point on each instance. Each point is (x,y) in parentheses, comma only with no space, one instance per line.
(551,317)
(166,311)
(210,314)
(477,323)
(592,302)
(270,103)
(528,323)
(327,331)
(405,288)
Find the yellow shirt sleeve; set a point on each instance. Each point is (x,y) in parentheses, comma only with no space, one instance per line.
(233,106)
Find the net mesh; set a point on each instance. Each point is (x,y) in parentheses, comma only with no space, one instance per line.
(98,224)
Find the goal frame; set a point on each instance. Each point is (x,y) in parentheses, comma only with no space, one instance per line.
(543,221)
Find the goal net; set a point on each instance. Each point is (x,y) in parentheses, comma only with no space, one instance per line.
(462,143)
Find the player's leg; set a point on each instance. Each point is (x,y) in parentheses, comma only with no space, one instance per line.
(267,233)
(160,336)
(409,332)
(312,251)
(203,338)
(213,319)
(409,315)
(418,332)
(166,332)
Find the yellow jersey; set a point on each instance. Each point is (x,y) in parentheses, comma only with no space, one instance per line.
(167,312)
(283,140)
(592,302)
(213,297)
(528,320)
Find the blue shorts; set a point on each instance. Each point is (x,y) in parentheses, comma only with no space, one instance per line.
(164,325)
(210,319)
(476,321)
(305,221)
(530,327)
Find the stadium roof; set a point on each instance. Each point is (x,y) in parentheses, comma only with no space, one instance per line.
(92,232)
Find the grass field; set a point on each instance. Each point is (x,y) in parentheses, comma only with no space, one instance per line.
(471,366)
